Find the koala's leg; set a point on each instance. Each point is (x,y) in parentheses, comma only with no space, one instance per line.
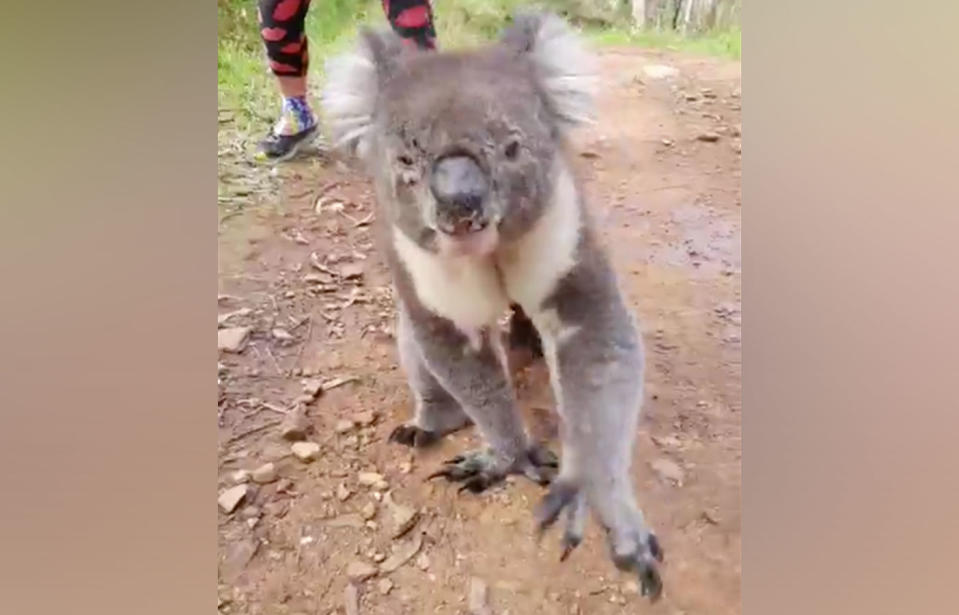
(472,370)
(436,412)
(596,365)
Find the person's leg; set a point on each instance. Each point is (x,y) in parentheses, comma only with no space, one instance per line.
(412,20)
(282,28)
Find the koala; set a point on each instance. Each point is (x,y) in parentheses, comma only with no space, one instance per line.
(478,212)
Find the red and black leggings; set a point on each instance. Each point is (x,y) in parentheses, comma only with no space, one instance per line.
(282,28)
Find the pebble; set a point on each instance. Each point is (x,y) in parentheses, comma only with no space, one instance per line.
(360,571)
(266,473)
(240,476)
(369,479)
(368,511)
(282,335)
(343,492)
(385,586)
(668,471)
(313,386)
(478,594)
(423,561)
(295,425)
(231,498)
(233,339)
(305,451)
(709,137)
(250,512)
(351,599)
(343,426)
(366,418)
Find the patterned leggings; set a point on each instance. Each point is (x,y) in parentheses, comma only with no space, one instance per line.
(282,30)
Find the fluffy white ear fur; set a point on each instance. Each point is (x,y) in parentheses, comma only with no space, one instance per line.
(566,69)
(349,96)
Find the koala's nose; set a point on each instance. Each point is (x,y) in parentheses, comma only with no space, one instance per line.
(460,188)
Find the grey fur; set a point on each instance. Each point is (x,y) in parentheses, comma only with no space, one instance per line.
(506,107)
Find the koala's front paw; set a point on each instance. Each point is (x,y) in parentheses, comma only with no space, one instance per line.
(633,547)
(480,469)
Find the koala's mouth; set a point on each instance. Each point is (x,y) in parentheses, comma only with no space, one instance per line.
(471,239)
(460,228)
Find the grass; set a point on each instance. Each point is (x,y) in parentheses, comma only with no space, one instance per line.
(720,43)
(248,95)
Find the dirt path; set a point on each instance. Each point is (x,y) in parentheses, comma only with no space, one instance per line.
(669,206)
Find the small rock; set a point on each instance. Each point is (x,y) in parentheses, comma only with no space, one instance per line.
(709,137)
(404,517)
(659,71)
(343,492)
(668,471)
(369,479)
(365,418)
(351,599)
(296,424)
(233,339)
(343,426)
(351,271)
(378,557)
(691,97)
(305,451)
(282,335)
(313,387)
(631,587)
(666,142)
(707,93)
(423,561)
(737,147)
(358,572)
(385,586)
(266,473)
(284,485)
(231,498)
(402,553)
(368,511)
(250,512)
(406,467)
(588,153)
(478,594)
(240,476)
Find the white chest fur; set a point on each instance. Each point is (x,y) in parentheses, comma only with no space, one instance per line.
(474,292)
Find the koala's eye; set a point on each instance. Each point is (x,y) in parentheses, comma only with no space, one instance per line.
(405,160)
(512,150)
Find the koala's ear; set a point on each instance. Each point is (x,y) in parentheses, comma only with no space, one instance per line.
(353,85)
(566,70)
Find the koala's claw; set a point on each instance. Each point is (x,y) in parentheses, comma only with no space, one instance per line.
(411,435)
(479,470)
(644,562)
(560,497)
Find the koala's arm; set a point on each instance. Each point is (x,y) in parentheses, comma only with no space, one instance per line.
(471,370)
(595,357)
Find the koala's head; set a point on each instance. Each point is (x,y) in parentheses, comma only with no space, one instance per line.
(463,146)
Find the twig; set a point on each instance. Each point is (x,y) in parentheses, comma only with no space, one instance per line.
(277,409)
(252,431)
(309,336)
(276,364)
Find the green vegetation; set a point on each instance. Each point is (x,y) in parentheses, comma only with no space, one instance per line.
(247,95)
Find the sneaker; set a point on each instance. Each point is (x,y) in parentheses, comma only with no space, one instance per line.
(296,127)
(278,148)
